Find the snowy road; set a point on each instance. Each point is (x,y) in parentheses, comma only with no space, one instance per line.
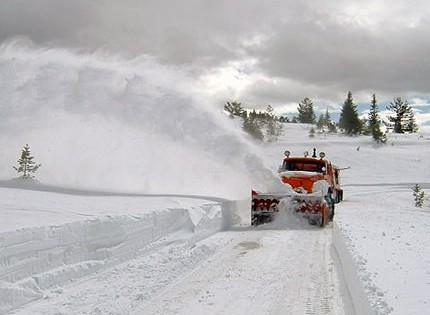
(259,272)
(245,271)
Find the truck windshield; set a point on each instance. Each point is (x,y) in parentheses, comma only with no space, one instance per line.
(306,166)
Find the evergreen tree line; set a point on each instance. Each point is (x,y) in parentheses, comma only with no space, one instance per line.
(402,119)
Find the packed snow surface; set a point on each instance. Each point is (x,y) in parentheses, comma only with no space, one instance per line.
(141,205)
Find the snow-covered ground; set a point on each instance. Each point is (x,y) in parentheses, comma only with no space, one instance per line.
(142,203)
(76,253)
(378,233)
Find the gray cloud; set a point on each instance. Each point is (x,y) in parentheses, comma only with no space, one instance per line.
(45,21)
(356,60)
(300,48)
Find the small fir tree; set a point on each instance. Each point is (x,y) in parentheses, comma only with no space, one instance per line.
(306,112)
(324,120)
(419,196)
(375,122)
(26,165)
(403,119)
(327,118)
(349,120)
(273,126)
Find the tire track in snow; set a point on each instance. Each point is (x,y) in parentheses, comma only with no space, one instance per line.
(259,272)
(315,282)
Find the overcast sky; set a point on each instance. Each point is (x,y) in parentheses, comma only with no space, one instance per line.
(257,52)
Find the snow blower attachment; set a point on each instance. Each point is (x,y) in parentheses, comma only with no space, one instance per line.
(312,188)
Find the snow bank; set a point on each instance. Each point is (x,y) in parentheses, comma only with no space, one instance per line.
(351,271)
(384,251)
(34,259)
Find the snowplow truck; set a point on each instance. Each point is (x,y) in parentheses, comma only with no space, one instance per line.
(312,188)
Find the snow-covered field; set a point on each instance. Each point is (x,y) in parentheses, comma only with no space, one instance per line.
(142,203)
(76,253)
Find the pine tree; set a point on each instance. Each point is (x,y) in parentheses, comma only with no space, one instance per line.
(375,122)
(234,109)
(252,125)
(26,165)
(349,120)
(419,196)
(270,111)
(273,126)
(403,120)
(327,118)
(306,112)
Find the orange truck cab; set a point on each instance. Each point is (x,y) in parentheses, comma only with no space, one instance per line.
(312,185)
(301,173)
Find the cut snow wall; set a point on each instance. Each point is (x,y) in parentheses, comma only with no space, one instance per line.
(35,259)
(351,273)
(236,213)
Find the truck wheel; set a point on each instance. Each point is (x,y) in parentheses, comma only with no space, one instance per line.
(330,202)
(324,215)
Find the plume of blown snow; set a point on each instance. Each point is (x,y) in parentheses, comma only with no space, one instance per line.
(101,122)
